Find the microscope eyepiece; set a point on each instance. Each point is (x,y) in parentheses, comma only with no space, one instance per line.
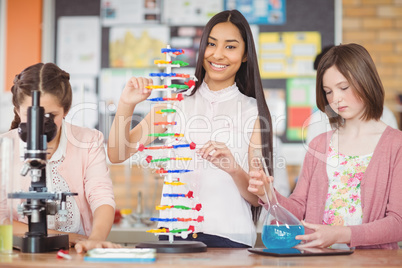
(36,112)
(50,127)
(23,132)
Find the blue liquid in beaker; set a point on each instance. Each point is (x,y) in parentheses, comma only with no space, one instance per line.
(281,236)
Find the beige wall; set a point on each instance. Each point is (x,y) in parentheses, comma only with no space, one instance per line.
(377,25)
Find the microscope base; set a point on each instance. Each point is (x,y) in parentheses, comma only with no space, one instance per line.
(40,244)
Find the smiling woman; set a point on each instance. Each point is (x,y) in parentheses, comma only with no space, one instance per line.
(223,56)
(227,99)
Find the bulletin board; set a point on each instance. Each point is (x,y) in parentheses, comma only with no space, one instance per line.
(313,20)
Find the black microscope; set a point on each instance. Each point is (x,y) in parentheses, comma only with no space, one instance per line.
(36,132)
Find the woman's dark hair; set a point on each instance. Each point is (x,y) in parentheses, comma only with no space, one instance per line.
(48,79)
(355,63)
(247,79)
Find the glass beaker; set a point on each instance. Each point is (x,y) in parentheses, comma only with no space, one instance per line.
(280,226)
(6,216)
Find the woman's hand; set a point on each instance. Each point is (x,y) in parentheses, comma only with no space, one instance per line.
(102,223)
(324,235)
(258,180)
(74,238)
(219,154)
(135,92)
(85,245)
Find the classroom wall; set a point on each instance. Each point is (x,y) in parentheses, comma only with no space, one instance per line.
(377,25)
(20,46)
(23,36)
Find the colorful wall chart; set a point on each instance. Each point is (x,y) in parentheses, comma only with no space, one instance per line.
(300,102)
(136,47)
(261,11)
(288,54)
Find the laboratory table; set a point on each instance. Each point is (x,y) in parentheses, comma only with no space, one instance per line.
(215,257)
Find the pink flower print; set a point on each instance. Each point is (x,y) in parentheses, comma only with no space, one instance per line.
(328,195)
(331,152)
(359,176)
(352,209)
(354,197)
(344,163)
(358,165)
(353,182)
(343,191)
(344,179)
(333,186)
(336,173)
(338,220)
(361,169)
(339,203)
(328,217)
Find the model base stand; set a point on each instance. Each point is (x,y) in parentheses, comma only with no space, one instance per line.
(175,246)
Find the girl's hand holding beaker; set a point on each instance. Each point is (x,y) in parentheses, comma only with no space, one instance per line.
(258,180)
(324,235)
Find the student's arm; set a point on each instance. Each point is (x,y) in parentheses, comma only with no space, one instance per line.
(241,179)
(122,141)
(256,170)
(98,189)
(102,224)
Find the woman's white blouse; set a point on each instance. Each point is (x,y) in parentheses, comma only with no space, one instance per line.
(225,116)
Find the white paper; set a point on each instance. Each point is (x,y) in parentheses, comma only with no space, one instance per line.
(84,108)
(118,12)
(78,44)
(184,12)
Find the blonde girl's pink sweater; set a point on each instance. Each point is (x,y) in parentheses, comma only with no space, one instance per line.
(381,191)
